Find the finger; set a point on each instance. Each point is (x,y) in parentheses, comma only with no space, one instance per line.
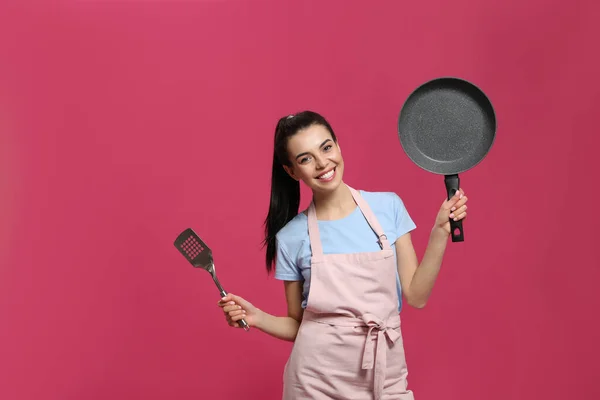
(226,312)
(229,308)
(233,314)
(231,322)
(460,203)
(226,298)
(221,303)
(238,317)
(459,211)
(459,194)
(449,203)
(239,300)
(234,298)
(460,216)
(231,298)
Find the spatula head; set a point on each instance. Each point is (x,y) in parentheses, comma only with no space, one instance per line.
(194,249)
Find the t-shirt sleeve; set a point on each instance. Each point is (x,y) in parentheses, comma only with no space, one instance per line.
(402,219)
(286,269)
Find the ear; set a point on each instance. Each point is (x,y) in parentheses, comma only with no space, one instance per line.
(290,172)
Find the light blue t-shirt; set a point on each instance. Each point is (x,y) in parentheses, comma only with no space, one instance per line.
(351,234)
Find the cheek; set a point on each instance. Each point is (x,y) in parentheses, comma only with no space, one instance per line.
(306,173)
(337,156)
(303,172)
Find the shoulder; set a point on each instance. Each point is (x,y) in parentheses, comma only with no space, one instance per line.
(295,229)
(293,236)
(383,201)
(390,211)
(292,249)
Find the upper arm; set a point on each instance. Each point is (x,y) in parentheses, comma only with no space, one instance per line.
(286,266)
(407,261)
(287,270)
(293,296)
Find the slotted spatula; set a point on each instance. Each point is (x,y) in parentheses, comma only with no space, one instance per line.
(200,256)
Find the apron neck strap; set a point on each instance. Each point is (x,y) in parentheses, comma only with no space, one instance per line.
(313,226)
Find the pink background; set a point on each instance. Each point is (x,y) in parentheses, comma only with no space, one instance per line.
(123,123)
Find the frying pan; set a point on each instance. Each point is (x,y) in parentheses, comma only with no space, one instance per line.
(447,126)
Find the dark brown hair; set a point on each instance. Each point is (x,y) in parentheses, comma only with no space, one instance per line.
(285,190)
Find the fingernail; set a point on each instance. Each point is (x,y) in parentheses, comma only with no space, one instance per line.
(231,302)
(453,209)
(457,193)
(223,298)
(456,219)
(460,196)
(451,215)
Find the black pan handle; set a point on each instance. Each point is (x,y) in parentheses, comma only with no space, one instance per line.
(456,228)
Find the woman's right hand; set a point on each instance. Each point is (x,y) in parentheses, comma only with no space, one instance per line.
(236,308)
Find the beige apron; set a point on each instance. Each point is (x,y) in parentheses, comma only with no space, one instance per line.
(349,345)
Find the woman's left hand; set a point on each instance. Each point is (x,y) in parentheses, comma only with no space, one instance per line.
(454,208)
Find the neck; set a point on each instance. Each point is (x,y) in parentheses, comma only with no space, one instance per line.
(334,205)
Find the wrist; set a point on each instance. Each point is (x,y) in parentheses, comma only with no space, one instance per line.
(259,320)
(439,232)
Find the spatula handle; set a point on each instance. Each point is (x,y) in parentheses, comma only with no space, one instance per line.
(223,293)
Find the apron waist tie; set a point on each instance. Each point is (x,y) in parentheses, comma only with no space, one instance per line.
(375,352)
(369,355)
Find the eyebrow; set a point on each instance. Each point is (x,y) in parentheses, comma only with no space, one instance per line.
(306,152)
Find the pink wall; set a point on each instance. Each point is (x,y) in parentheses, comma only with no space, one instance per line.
(122,123)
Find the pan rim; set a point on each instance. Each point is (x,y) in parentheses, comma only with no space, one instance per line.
(432,81)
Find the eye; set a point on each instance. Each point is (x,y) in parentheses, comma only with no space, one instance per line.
(304,160)
(327,148)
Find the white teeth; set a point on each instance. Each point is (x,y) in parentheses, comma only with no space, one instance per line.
(327,175)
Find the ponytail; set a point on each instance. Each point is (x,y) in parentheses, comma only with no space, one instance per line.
(285,190)
(284,205)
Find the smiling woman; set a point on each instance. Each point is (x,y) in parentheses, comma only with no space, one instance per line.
(345,262)
(292,158)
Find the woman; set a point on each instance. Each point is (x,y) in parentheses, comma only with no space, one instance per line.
(346,261)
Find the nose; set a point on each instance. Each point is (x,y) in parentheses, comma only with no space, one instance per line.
(320,161)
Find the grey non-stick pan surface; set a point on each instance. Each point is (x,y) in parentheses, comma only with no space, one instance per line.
(447,126)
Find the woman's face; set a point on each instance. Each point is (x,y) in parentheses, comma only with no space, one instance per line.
(315,159)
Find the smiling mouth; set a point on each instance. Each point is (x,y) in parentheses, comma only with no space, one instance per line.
(327,176)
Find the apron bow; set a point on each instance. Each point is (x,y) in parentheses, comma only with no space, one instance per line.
(369,356)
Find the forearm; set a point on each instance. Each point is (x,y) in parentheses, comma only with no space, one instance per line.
(424,278)
(284,328)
